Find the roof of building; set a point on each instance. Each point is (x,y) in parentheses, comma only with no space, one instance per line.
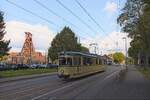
(73,53)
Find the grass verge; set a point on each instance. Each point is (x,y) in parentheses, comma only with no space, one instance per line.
(145,72)
(23,72)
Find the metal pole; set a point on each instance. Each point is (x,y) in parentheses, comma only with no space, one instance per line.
(31,50)
(95,50)
(30,54)
(126,52)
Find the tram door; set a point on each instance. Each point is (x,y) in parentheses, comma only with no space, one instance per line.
(81,64)
(77,64)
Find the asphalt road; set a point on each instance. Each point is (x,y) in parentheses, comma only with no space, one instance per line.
(111,84)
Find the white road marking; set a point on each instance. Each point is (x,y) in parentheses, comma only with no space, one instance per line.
(109,76)
(59,89)
(52,91)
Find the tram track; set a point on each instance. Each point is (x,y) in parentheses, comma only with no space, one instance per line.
(28,90)
(75,85)
(24,84)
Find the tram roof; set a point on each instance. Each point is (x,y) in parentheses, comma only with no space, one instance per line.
(73,53)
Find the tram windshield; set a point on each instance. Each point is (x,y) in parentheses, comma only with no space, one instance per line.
(65,61)
(62,61)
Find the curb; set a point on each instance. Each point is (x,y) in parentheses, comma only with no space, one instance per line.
(5,80)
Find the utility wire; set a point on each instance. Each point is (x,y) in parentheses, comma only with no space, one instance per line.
(76,16)
(54,13)
(39,3)
(93,19)
(32,13)
(89,15)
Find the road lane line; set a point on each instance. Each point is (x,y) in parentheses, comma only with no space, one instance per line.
(109,76)
(52,91)
(59,89)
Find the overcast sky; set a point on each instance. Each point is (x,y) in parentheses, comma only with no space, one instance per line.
(45,28)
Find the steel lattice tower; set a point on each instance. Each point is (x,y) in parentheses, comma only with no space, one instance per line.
(28,49)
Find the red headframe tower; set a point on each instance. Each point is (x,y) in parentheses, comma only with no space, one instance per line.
(28,49)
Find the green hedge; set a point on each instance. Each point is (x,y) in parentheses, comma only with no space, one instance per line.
(145,72)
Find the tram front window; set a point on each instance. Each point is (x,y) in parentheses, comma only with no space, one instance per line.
(65,61)
(62,61)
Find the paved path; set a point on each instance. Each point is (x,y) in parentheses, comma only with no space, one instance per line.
(108,85)
(130,85)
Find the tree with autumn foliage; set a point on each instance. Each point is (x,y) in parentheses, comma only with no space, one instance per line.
(118,57)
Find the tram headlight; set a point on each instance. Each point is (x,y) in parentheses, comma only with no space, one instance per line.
(62,71)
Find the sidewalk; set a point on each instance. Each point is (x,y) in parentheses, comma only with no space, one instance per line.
(131,85)
(4,80)
(134,75)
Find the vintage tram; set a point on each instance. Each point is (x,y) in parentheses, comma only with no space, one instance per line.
(78,64)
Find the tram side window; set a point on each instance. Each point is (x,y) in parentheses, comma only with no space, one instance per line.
(100,61)
(77,61)
(69,61)
(96,61)
(84,61)
(89,61)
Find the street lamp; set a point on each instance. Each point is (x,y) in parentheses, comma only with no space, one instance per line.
(124,38)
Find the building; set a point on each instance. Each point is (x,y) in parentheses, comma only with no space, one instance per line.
(107,60)
(28,55)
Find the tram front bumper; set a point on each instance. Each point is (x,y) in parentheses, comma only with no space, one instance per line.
(63,76)
(62,73)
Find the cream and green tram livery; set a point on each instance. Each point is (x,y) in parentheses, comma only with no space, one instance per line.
(77,64)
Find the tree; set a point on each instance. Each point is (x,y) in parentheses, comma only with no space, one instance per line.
(135,20)
(130,60)
(145,30)
(135,49)
(129,18)
(84,49)
(4,45)
(65,41)
(118,57)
